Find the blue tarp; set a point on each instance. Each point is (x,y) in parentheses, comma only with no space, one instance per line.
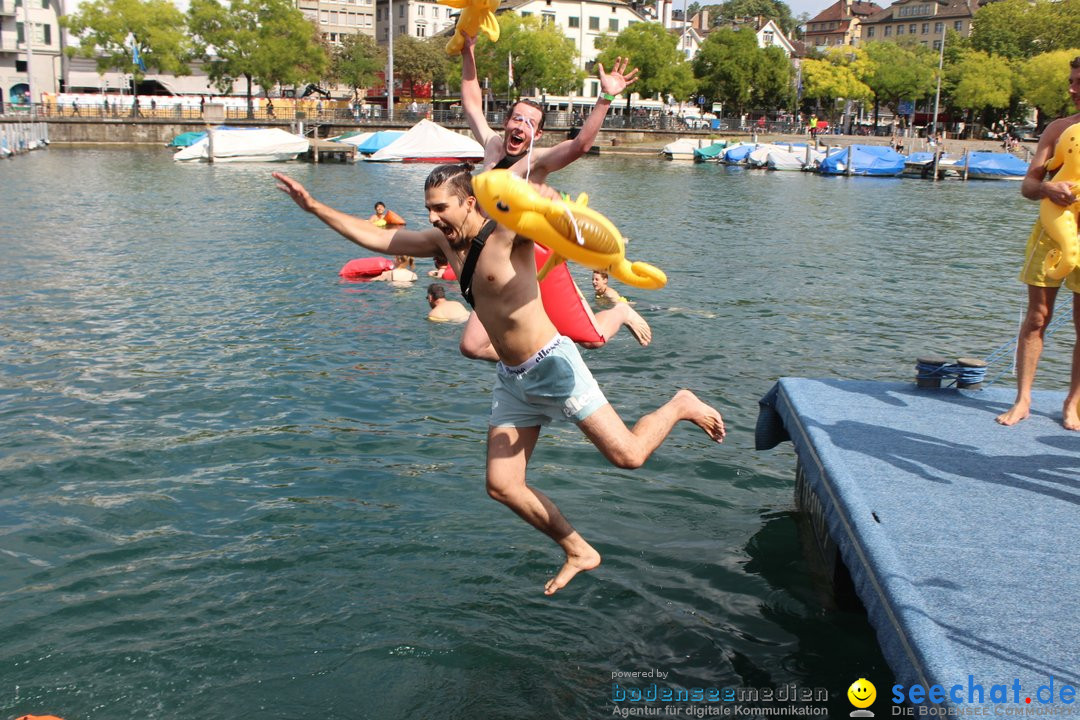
(960,534)
(378,141)
(186,139)
(999,164)
(867,160)
(738,153)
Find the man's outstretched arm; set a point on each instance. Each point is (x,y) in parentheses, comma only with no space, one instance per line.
(357,230)
(472,98)
(612,84)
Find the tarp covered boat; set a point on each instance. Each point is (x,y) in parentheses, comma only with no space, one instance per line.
(871,160)
(246,145)
(429,142)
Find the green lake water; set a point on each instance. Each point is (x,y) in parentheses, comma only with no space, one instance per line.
(233,485)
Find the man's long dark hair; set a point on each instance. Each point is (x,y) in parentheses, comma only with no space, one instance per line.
(457,177)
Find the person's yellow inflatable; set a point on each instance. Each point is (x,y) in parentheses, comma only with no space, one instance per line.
(476,16)
(571,230)
(1059,222)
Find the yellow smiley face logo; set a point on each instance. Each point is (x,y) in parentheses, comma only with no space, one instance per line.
(862,693)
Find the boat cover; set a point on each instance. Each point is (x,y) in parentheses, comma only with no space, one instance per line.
(428,140)
(994,163)
(376,141)
(868,160)
(251,144)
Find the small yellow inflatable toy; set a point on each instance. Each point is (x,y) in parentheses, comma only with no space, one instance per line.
(571,230)
(1059,222)
(476,15)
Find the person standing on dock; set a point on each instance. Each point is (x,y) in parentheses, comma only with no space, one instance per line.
(1042,291)
(540,375)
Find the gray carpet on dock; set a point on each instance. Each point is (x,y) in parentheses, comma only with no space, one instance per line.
(962,536)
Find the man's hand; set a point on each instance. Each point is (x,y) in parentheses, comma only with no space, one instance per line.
(1060,193)
(295,190)
(469,43)
(618,79)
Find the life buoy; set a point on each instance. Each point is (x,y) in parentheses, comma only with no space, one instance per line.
(564,303)
(476,16)
(1059,223)
(571,230)
(366,267)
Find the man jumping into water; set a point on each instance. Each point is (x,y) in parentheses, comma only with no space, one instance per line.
(540,375)
(514,150)
(1042,291)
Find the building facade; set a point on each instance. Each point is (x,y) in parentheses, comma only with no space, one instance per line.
(31,50)
(336,18)
(920,21)
(583,21)
(838,24)
(411,17)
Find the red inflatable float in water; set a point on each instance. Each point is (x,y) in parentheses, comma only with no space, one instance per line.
(362,268)
(564,303)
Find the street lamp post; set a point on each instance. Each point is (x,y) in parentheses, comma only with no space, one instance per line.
(937,102)
(28,35)
(390,59)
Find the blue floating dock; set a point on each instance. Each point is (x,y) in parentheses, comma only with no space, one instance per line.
(962,536)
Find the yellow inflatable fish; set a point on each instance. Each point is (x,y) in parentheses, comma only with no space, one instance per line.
(571,230)
(1059,223)
(476,15)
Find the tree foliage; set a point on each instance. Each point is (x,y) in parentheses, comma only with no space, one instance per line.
(357,61)
(265,41)
(1043,82)
(418,61)
(899,72)
(977,81)
(732,69)
(106,29)
(840,75)
(1022,29)
(726,13)
(544,58)
(655,52)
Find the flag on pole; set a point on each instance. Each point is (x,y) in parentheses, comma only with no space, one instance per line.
(510,69)
(136,58)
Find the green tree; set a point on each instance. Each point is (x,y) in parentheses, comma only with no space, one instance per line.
(419,61)
(977,82)
(1043,83)
(732,10)
(107,28)
(732,69)
(357,61)
(655,52)
(837,76)
(268,42)
(899,72)
(544,58)
(1021,29)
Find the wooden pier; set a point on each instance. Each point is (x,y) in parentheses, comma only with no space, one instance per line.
(320,150)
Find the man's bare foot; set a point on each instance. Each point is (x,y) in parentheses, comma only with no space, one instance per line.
(587,559)
(638,327)
(1015,414)
(1071,416)
(704,416)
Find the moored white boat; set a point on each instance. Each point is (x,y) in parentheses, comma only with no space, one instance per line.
(246,145)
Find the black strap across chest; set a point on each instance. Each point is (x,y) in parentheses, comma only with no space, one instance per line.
(508,161)
(467,270)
